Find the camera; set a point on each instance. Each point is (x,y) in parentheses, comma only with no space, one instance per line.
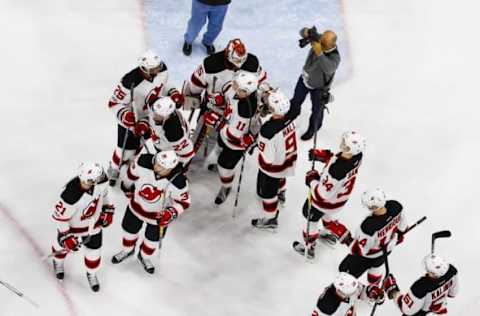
(312,36)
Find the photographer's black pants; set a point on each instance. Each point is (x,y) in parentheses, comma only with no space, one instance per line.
(318,105)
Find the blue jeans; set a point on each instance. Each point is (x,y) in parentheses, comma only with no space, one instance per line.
(200,13)
(318,105)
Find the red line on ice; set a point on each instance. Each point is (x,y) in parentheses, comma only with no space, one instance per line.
(38,251)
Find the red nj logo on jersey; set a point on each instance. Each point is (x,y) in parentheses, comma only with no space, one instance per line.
(90,210)
(150,193)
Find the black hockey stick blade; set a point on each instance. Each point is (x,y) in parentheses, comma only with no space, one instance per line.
(442,234)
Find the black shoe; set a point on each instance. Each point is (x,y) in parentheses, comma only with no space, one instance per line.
(210,49)
(187,49)
(307,135)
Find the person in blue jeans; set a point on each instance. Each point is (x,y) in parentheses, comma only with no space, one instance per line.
(214,11)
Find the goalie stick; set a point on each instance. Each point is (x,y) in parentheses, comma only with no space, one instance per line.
(439,234)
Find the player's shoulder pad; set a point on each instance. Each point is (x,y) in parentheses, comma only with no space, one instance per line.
(328,303)
(393,206)
(146,161)
(178,178)
(133,78)
(248,106)
(370,225)
(251,63)
(173,128)
(272,127)
(214,63)
(72,191)
(421,287)
(341,167)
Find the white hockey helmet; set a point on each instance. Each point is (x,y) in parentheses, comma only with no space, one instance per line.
(90,172)
(163,107)
(278,102)
(246,81)
(346,284)
(236,52)
(149,60)
(435,265)
(354,141)
(374,199)
(167,159)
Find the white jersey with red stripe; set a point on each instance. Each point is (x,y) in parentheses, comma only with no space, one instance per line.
(152,193)
(173,135)
(337,180)
(330,304)
(277,145)
(430,295)
(241,115)
(216,71)
(78,211)
(145,92)
(379,231)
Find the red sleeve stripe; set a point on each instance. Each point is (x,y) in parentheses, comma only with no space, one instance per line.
(263,78)
(187,155)
(131,176)
(60,219)
(276,168)
(234,140)
(184,204)
(111,104)
(317,200)
(196,81)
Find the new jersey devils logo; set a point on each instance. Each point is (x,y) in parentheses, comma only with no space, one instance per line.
(90,210)
(150,193)
(153,96)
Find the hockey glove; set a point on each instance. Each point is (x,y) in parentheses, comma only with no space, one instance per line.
(247,140)
(178,98)
(311,175)
(167,216)
(390,286)
(215,100)
(211,118)
(127,118)
(400,237)
(127,191)
(69,242)
(322,155)
(142,128)
(375,293)
(339,230)
(106,217)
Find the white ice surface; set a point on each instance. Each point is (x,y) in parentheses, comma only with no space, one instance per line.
(412,93)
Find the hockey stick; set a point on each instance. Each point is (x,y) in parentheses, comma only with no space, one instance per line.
(207,132)
(309,197)
(387,272)
(20,294)
(439,234)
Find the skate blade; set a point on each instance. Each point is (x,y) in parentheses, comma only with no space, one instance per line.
(266,229)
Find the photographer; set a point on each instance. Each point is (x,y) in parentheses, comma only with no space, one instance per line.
(317,76)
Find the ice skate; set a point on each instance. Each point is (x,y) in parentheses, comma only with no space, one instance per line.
(93,282)
(300,248)
(59,269)
(122,255)
(146,263)
(265,223)
(222,195)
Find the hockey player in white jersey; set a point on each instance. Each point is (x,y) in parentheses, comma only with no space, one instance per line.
(147,83)
(240,129)
(383,229)
(158,193)
(429,294)
(168,130)
(330,191)
(277,145)
(341,298)
(80,214)
(206,85)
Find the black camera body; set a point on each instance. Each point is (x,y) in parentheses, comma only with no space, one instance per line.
(312,36)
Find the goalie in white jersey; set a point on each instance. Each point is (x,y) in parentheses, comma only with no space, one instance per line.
(80,214)
(168,130)
(157,191)
(429,294)
(383,229)
(147,83)
(341,298)
(330,191)
(277,157)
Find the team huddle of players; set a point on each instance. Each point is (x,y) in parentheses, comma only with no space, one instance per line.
(239,112)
